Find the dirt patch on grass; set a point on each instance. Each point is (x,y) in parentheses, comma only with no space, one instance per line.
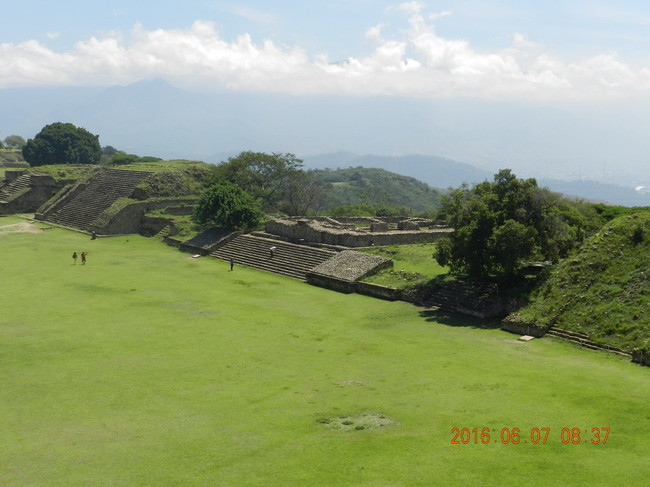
(358,422)
(22,227)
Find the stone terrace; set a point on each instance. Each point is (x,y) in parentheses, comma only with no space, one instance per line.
(351,265)
(89,200)
(329,233)
(288,260)
(15,186)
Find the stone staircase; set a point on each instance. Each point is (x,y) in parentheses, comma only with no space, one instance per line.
(473,299)
(17,185)
(444,298)
(288,260)
(583,340)
(98,193)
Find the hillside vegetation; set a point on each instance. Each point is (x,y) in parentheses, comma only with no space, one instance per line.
(603,290)
(377,187)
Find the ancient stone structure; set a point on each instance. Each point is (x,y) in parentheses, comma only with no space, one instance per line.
(104,204)
(288,259)
(24,192)
(351,265)
(337,234)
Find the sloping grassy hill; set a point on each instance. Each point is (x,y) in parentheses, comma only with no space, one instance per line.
(378,187)
(603,290)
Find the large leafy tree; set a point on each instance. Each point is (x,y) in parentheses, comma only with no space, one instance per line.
(304,193)
(227,206)
(265,176)
(62,143)
(500,223)
(14,141)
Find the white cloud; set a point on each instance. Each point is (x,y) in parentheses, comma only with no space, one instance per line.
(420,63)
(52,35)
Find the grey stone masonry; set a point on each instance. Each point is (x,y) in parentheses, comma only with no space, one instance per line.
(95,196)
(351,265)
(304,230)
(287,260)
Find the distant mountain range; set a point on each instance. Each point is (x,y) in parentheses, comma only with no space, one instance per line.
(443,173)
(155,118)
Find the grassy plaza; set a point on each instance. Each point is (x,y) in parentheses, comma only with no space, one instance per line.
(147,367)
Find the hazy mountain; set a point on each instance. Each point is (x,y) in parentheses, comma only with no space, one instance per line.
(377,187)
(158,118)
(438,172)
(155,118)
(443,173)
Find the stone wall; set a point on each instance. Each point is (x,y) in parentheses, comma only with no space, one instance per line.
(351,265)
(208,240)
(41,188)
(318,232)
(346,286)
(59,200)
(514,324)
(11,175)
(130,218)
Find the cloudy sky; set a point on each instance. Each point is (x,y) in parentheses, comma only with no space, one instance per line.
(553,88)
(580,51)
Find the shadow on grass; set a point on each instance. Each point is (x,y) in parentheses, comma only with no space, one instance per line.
(458,320)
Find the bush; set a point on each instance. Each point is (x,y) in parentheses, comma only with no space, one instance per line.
(227,206)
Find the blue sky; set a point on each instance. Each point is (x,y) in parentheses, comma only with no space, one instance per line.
(524,50)
(337,26)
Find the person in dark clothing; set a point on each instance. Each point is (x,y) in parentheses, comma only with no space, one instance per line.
(74,257)
(232,263)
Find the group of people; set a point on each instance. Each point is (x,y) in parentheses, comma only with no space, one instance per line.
(83,258)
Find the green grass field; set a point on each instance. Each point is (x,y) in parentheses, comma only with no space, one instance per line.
(412,265)
(146,367)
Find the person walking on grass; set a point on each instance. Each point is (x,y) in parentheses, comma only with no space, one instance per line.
(74,258)
(83,258)
(232,263)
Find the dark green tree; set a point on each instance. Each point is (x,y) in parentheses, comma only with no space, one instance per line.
(227,206)
(265,176)
(500,223)
(62,143)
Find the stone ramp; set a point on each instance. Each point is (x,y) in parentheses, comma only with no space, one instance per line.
(96,195)
(14,187)
(289,260)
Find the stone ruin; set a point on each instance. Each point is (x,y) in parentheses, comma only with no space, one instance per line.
(23,192)
(346,232)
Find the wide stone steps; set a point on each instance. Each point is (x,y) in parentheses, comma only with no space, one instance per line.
(584,341)
(17,185)
(443,299)
(100,192)
(288,259)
